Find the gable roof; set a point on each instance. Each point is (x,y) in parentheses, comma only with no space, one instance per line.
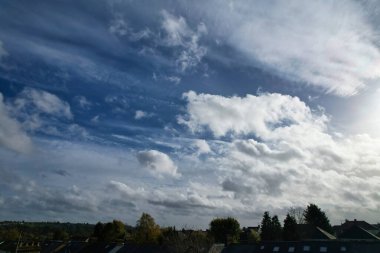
(359,233)
(310,232)
(360,223)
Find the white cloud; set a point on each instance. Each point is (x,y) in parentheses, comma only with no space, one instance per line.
(179,34)
(127,191)
(11,134)
(325,44)
(202,146)
(159,163)
(293,161)
(266,115)
(43,102)
(174,79)
(141,114)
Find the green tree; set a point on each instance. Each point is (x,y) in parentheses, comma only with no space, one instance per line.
(315,216)
(61,234)
(249,236)
(10,234)
(98,229)
(111,231)
(289,233)
(271,229)
(276,229)
(147,231)
(225,230)
(266,227)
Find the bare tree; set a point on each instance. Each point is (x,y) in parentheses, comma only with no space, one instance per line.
(297,214)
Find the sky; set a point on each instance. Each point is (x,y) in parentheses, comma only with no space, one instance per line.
(188,110)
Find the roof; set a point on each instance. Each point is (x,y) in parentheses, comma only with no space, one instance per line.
(310,232)
(311,246)
(361,223)
(358,233)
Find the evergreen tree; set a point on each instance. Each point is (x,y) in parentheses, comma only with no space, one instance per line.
(289,233)
(276,229)
(266,227)
(316,217)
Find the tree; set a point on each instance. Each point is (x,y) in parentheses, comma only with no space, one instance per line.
(61,234)
(271,229)
(186,241)
(111,231)
(98,229)
(147,231)
(225,230)
(276,229)
(249,236)
(289,233)
(266,227)
(315,216)
(297,214)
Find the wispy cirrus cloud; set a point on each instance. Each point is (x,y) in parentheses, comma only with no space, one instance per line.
(179,34)
(329,45)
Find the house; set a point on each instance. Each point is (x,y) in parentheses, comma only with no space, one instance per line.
(311,232)
(359,230)
(314,246)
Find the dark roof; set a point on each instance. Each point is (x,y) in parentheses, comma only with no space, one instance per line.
(239,248)
(358,233)
(98,247)
(132,248)
(310,232)
(361,223)
(312,246)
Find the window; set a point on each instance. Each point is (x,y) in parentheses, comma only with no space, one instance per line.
(323,249)
(343,248)
(291,249)
(276,249)
(306,248)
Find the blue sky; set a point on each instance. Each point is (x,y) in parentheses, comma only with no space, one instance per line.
(188,110)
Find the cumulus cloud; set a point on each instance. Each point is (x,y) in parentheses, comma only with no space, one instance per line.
(325,44)
(12,135)
(266,115)
(179,34)
(202,146)
(293,158)
(159,163)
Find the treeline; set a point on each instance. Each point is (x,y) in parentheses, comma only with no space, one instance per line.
(227,230)
(146,231)
(40,231)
